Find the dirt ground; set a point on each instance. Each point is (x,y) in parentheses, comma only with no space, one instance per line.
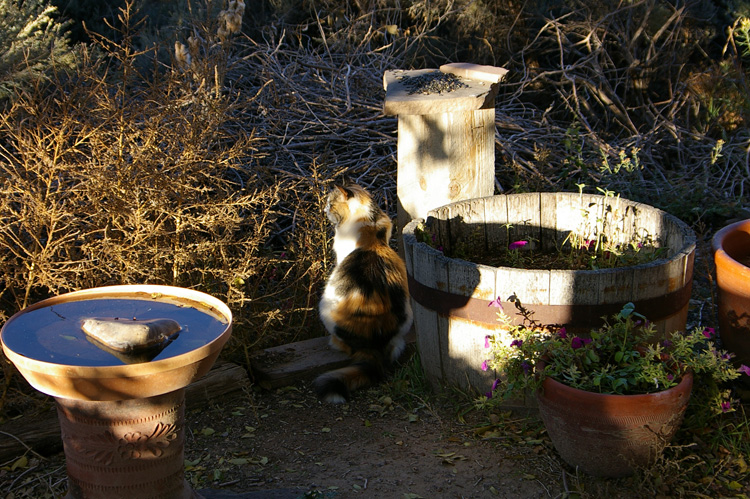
(288,444)
(392,441)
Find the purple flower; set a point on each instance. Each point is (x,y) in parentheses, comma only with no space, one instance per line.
(516,343)
(562,333)
(709,332)
(486,341)
(666,343)
(497,303)
(744,369)
(526,367)
(484,366)
(517,245)
(494,387)
(670,377)
(726,406)
(577,342)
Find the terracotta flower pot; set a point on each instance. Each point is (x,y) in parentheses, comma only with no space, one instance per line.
(732,257)
(611,435)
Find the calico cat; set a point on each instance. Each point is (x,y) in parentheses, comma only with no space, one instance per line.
(365,306)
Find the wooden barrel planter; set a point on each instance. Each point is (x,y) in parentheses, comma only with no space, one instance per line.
(450,296)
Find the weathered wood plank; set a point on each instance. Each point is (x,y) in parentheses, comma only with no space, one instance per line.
(430,269)
(463,346)
(444,158)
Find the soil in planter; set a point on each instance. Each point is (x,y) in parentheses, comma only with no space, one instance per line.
(567,259)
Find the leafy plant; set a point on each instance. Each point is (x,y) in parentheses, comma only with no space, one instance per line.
(623,357)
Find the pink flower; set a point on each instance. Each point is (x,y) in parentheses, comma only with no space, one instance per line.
(497,303)
(484,366)
(517,245)
(562,333)
(744,369)
(709,332)
(726,406)
(486,342)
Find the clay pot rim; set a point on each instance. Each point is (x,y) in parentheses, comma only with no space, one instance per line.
(687,379)
(721,257)
(130,370)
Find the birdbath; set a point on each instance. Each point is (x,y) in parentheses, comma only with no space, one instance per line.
(117,360)
(446,134)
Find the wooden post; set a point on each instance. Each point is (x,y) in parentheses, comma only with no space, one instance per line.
(446,140)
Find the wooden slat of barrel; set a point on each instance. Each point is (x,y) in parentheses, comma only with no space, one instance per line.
(431,270)
(463,348)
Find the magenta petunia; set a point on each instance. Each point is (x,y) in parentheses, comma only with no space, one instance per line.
(709,332)
(484,366)
(726,406)
(517,245)
(562,333)
(516,343)
(745,369)
(497,303)
(576,343)
(486,341)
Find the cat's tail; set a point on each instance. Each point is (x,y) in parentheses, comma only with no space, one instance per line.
(368,368)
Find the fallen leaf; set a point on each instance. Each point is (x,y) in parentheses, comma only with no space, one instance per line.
(207,432)
(21,462)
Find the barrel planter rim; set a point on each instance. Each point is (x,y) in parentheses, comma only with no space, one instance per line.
(676,299)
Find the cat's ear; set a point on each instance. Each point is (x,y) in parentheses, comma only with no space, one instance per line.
(347,193)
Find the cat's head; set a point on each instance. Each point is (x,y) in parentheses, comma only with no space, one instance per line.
(349,203)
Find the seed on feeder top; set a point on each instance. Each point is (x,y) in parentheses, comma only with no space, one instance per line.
(436,82)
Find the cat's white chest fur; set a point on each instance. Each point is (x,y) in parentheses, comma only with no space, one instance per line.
(345,241)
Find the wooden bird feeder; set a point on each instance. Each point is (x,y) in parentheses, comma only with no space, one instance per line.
(446,134)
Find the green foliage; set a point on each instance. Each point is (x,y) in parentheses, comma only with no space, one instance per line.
(32,45)
(624,357)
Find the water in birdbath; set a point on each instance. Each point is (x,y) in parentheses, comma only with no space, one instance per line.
(56,333)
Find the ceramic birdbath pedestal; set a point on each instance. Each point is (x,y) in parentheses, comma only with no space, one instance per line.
(117,360)
(446,134)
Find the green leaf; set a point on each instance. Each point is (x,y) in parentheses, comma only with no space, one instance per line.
(207,432)
(618,356)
